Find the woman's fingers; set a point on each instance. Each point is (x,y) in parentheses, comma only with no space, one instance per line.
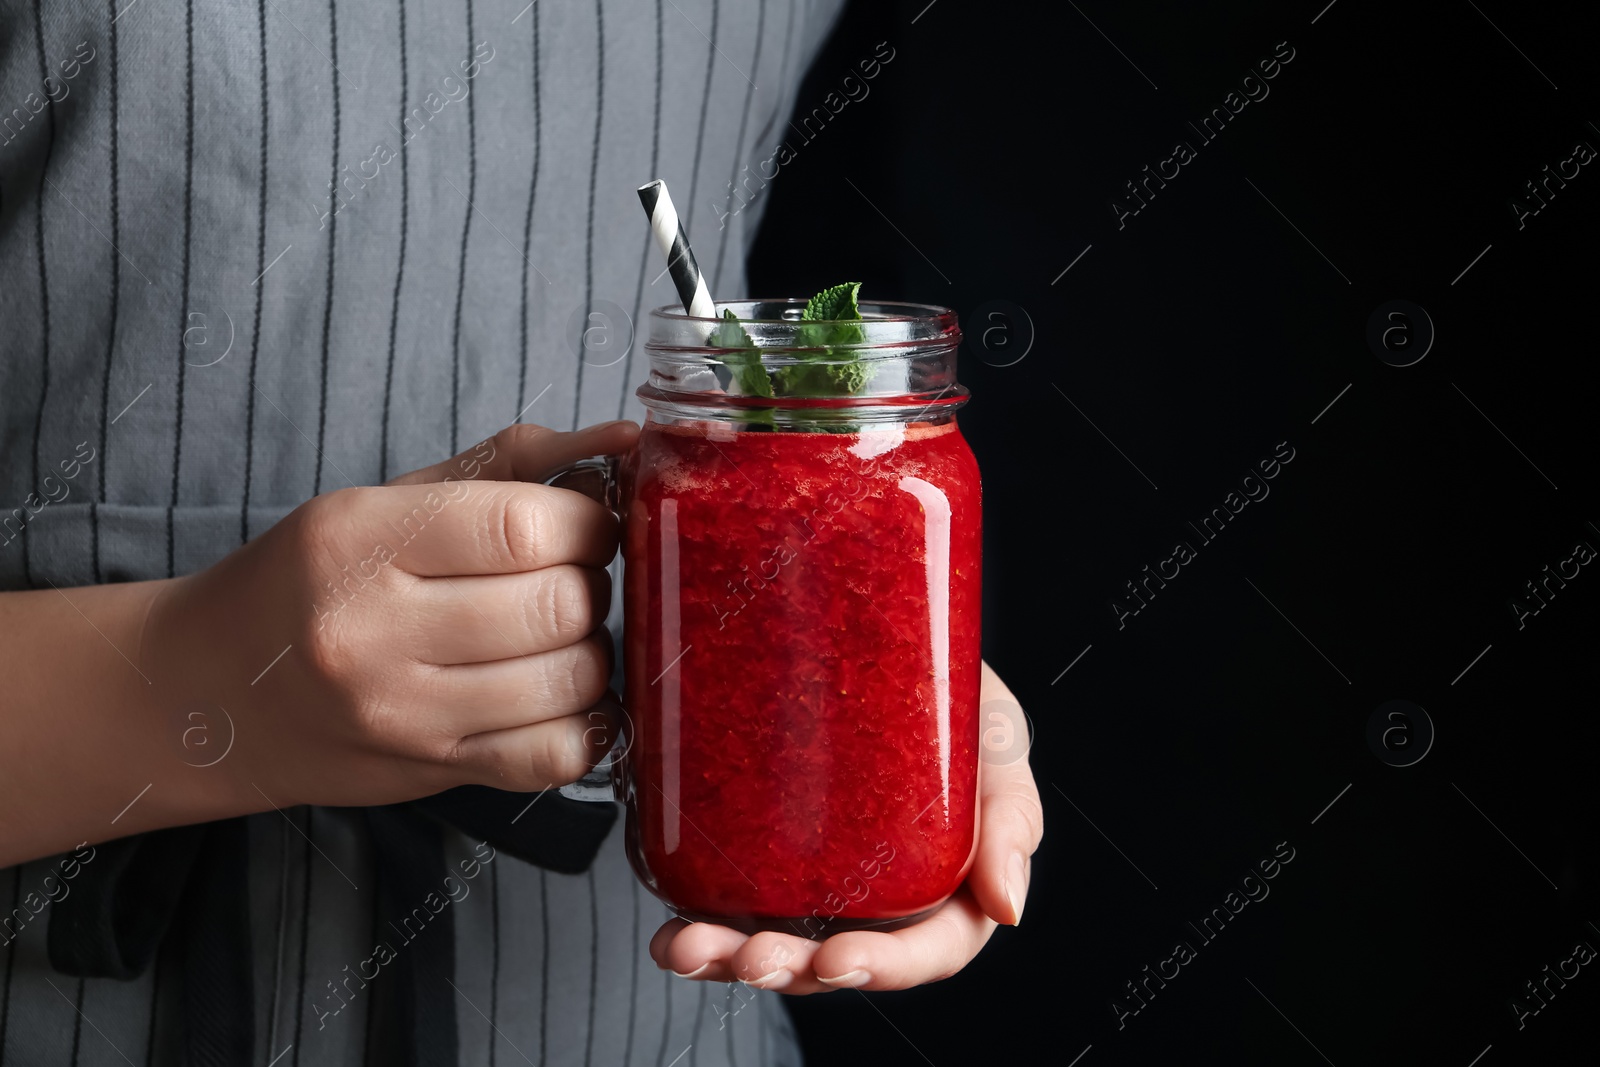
(507,693)
(370,534)
(928,951)
(526,759)
(775,961)
(712,953)
(476,528)
(663,937)
(934,948)
(696,950)
(706,951)
(1010,824)
(1008,832)
(482,618)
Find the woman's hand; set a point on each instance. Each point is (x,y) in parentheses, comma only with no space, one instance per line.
(1010,824)
(441,630)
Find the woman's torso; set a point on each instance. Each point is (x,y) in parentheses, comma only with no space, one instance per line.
(190,329)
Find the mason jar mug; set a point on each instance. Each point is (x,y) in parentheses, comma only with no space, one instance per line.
(801,576)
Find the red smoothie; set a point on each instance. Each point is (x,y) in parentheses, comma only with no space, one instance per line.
(804,682)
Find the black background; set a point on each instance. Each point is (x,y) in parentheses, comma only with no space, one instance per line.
(1227,715)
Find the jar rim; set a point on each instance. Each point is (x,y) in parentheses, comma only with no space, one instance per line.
(904,357)
(887,330)
(911,312)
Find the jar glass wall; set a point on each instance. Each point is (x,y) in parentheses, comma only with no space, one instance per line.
(802,587)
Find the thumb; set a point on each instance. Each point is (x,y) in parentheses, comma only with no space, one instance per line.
(1011,822)
(527,453)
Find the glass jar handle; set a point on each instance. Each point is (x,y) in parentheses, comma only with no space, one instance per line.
(596,478)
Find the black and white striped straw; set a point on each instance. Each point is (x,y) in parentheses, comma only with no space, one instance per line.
(674,244)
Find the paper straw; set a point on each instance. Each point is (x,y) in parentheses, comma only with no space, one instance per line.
(674,244)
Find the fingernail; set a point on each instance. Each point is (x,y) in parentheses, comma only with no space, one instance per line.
(1016,886)
(697,972)
(774,980)
(607,425)
(853,980)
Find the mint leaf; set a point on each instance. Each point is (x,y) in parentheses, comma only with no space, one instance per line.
(829,321)
(743,358)
(834,304)
(822,379)
(826,320)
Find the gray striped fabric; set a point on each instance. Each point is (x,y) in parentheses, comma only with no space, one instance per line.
(188,327)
